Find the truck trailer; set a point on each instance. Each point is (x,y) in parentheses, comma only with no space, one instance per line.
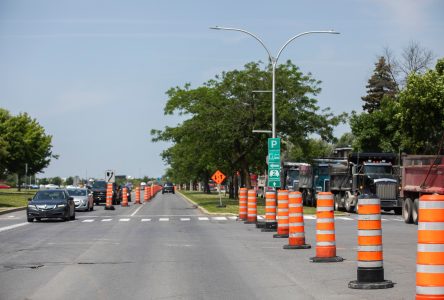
(420,175)
(314,178)
(365,173)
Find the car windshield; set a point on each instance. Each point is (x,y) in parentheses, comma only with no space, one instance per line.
(99,185)
(168,184)
(375,169)
(49,195)
(77,192)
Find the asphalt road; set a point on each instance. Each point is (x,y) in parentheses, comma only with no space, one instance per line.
(166,249)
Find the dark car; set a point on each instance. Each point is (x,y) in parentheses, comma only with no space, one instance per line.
(99,192)
(51,204)
(168,188)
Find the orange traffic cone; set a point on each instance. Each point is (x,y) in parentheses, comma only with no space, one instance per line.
(124,197)
(243,204)
(109,197)
(270,212)
(325,230)
(282,225)
(296,235)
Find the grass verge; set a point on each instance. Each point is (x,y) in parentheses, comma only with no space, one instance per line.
(211,201)
(11,198)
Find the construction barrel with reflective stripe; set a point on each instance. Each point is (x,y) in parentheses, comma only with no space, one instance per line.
(146,194)
(243,204)
(270,212)
(282,215)
(109,196)
(252,208)
(430,253)
(124,197)
(370,258)
(137,195)
(296,235)
(325,230)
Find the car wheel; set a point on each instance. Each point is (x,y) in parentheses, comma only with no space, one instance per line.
(30,220)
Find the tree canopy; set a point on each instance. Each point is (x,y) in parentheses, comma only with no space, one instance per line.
(224,112)
(23,144)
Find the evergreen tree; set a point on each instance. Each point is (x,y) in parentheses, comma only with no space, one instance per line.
(379,85)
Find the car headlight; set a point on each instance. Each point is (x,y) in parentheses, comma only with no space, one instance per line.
(30,206)
(61,205)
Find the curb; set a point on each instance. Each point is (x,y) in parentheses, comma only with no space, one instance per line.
(203,209)
(7,211)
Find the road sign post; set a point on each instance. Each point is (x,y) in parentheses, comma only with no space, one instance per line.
(274,162)
(219,177)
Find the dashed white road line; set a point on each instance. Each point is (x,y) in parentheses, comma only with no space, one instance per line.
(344,218)
(164,219)
(107,220)
(12,226)
(204,219)
(88,221)
(185,219)
(219,218)
(124,220)
(145,220)
(309,217)
(232,218)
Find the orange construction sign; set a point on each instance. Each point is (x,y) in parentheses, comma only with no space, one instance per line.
(218,177)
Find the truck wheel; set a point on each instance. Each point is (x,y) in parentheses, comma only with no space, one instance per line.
(415,211)
(336,198)
(348,204)
(407,208)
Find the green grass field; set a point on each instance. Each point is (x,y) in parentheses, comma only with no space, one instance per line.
(10,198)
(211,201)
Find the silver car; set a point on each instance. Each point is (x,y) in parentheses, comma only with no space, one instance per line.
(83,199)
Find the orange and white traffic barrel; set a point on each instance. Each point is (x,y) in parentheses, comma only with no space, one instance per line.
(370,257)
(137,196)
(109,196)
(270,212)
(243,204)
(124,197)
(325,229)
(430,253)
(145,194)
(282,214)
(251,207)
(296,235)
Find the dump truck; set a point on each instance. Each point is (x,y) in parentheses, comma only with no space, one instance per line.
(366,173)
(420,175)
(314,178)
(290,175)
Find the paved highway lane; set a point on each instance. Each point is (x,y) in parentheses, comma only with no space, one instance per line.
(166,249)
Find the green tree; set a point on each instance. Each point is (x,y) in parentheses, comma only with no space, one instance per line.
(224,111)
(421,111)
(69,180)
(381,85)
(26,144)
(4,116)
(56,180)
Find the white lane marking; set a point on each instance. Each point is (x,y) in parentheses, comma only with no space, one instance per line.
(382,219)
(13,226)
(219,218)
(124,220)
(185,219)
(145,220)
(309,217)
(260,217)
(106,220)
(11,217)
(399,220)
(164,219)
(88,221)
(204,219)
(232,218)
(344,218)
(136,211)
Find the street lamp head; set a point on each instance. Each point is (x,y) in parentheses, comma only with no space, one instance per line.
(334,32)
(215,27)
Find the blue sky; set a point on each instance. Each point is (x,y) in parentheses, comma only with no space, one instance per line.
(94,73)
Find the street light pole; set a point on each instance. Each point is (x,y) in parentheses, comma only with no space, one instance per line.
(273,61)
